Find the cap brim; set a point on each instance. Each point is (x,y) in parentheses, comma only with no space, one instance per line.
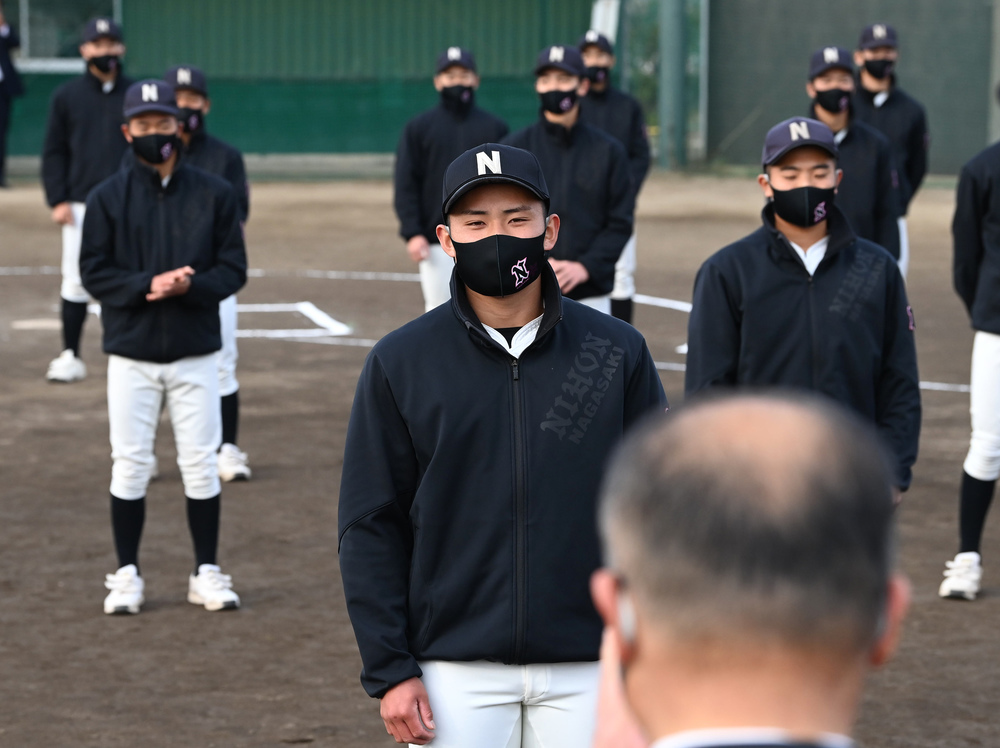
(149,109)
(875,43)
(834,66)
(491,179)
(801,144)
(558,66)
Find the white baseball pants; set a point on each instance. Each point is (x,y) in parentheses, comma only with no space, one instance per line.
(983,460)
(136,391)
(435,277)
(904,247)
(228,354)
(625,272)
(72,287)
(490,705)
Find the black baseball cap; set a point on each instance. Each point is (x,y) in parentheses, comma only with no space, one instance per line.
(493,163)
(828,58)
(596,39)
(562,57)
(795,133)
(455,56)
(878,35)
(99,27)
(188,78)
(149,96)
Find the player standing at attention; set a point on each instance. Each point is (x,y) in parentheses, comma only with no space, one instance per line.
(429,142)
(868,193)
(803,303)
(216,157)
(619,115)
(162,246)
(589,171)
(467,504)
(897,115)
(83,145)
(977,281)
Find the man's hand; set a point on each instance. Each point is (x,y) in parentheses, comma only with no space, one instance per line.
(570,274)
(406,711)
(171,283)
(617,726)
(418,247)
(63,214)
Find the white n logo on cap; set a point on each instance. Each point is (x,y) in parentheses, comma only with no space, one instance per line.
(183,76)
(878,31)
(592,36)
(149,92)
(103,26)
(491,162)
(556,54)
(798,130)
(830,54)
(454,53)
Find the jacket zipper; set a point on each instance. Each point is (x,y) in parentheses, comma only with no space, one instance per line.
(163,241)
(520,522)
(814,334)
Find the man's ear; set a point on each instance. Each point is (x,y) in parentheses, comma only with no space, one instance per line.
(605,590)
(810,90)
(583,87)
(444,239)
(126,133)
(840,175)
(765,185)
(551,231)
(475,82)
(438,84)
(859,59)
(208,106)
(897,603)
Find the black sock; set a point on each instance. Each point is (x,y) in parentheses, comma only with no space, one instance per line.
(203,521)
(230,417)
(974,503)
(622,309)
(127,519)
(74,314)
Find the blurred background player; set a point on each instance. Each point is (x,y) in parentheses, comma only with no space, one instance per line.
(976,264)
(868,193)
(429,142)
(619,115)
(83,145)
(10,85)
(589,173)
(880,103)
(162,246)
(216,157)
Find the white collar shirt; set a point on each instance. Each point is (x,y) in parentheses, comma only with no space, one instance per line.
(522,338)
(814,255)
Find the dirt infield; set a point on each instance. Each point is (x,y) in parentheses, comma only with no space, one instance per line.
(284,669)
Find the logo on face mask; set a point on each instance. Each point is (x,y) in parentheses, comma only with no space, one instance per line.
(819,212)
(166,149)
(520,272)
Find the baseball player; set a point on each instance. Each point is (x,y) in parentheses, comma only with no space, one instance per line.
(83,145)
(977,281)
(429,142)
(207,152)
(804,303)
(882,104)
(10,85)
(162,246)
(467,503)
(868,193)
(619,115)
(593,192)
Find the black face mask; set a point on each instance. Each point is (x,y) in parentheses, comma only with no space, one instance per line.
(192,119)
(879,68)
(106,63)
(156,148)
(500,265)
(803,206)
(598,75)
(457,97)
(558,102)
(834,100)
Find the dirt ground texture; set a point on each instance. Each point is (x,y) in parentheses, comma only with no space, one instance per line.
(284,669)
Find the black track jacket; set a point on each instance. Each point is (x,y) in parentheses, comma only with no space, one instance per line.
(468,498)
(587,173)
(903,121)
(135,229)
(429,143)
(620,116)
(83,139)
(760,319)
(976,233)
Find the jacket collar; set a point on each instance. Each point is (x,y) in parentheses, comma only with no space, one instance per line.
(150,177)
(558,133)
(838,229)
(96,82)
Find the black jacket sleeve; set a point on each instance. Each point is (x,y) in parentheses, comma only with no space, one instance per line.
(897,394)
(639,157)
(644,393)
(967,236)
(229,272)
(713,356)
(104,279)
(408,184)
(55,153)
(236,175)
(887,206)
(606,246)
(375,535)
(917,147)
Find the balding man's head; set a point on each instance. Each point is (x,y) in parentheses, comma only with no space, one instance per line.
(757,518)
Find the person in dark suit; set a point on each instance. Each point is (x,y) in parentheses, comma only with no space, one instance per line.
(748,586)
(10,86)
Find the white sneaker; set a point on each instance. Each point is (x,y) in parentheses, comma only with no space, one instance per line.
(233,464)
(213,589)
(66,368)
(126,591)
(962,576)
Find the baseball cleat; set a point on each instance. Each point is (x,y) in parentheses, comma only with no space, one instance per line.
(66,368)
(212,589)
(233,464)
(126,591)
(962,577)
